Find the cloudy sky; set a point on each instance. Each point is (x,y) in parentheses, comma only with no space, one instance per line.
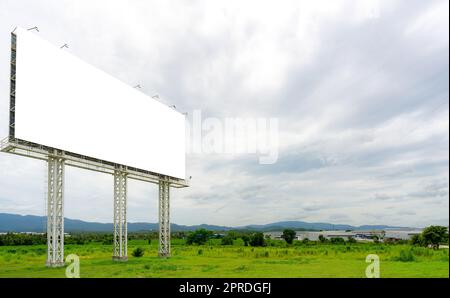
(360,89)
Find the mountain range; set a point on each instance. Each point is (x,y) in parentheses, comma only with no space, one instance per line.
(33,223)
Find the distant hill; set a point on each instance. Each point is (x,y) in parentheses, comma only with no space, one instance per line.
(33,223)
(301,225)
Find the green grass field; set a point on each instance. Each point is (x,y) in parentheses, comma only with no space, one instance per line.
(214,260)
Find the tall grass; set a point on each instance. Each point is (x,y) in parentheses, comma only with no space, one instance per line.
(406,256)
(213,259)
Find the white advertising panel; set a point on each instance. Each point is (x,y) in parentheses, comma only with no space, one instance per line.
(65,103)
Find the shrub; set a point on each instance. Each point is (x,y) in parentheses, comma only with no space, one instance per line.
(337,240)
(107,240)
(138,252)
(23,251)
(421,251)
(351,240)
(246,240)
(227,240)
(257,239)
(406,256)
(199,237)
(40,251)
(264,254)
(289,235)
(322,239)
(417,240)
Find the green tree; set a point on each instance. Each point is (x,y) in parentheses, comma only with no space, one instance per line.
(337,240)
(199,237)
(246,239)
(434,235)
(257,239)
(289,236)
(351,240)
(227,240)
(233,235)
(322,239)
(417,240)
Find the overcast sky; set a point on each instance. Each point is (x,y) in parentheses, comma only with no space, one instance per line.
(360,89)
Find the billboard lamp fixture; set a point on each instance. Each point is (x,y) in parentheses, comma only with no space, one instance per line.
(155,96)
(34,28)
(137,86)
(64,46)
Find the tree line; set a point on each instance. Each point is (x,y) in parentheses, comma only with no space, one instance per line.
(14,239)
(431,236)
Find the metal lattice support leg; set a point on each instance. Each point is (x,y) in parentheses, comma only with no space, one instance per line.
(55,212)
(164,219)
(120,216)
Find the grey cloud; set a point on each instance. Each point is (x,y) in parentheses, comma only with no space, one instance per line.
(292,162)
(382,197)
(436,189)
(338,216)
(334,82)
(406,212)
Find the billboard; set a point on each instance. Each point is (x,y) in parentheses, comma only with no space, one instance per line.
(67,104)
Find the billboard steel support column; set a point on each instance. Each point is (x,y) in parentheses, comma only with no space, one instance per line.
(164,219)
(120,216)
(55,211)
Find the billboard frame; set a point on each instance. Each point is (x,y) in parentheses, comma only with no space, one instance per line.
(57,159)
(42,152)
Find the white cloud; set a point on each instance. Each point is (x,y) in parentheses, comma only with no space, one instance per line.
(360,90)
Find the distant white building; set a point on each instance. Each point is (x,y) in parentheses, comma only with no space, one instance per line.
(315,236)
(312,235)
(273,235)
(359,235)
(400,234)
(27,233)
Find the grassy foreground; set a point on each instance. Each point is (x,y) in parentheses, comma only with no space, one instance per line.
(214,260)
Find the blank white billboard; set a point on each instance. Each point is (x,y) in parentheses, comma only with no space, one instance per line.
(65,103)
